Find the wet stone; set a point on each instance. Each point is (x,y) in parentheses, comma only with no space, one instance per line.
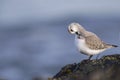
(105,68)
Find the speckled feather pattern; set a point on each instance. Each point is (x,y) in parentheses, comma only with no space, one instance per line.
(93,42)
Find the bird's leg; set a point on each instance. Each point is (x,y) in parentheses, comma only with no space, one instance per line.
(97,56)
(90,57)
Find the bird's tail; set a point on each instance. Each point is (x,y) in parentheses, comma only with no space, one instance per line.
(114,45)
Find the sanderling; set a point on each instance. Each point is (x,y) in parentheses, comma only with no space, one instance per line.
(87,42)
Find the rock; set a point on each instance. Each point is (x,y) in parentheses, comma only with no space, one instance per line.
(105,68)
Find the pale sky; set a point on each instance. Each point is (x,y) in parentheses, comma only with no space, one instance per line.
(13,10)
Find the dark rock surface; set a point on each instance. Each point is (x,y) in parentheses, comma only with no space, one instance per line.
(105,68)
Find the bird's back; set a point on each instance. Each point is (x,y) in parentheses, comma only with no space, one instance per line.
(94,42)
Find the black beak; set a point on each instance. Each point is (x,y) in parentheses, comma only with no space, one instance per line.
(78,33)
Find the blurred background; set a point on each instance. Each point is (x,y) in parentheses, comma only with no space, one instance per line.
(34,41)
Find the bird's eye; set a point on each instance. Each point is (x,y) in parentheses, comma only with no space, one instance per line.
(71,30)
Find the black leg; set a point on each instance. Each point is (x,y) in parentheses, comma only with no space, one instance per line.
(97,56)
(90,57)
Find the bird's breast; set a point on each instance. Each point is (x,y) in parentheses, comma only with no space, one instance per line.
(80,43)
(82,47)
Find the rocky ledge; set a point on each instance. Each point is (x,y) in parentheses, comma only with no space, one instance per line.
(105,68)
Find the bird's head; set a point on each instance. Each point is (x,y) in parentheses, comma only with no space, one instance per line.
(75,28)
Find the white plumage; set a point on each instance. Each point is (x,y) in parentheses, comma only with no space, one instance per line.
(83,48)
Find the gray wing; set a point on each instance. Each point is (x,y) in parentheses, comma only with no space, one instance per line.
(94,42)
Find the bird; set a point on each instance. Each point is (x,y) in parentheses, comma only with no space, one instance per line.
(87,42)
